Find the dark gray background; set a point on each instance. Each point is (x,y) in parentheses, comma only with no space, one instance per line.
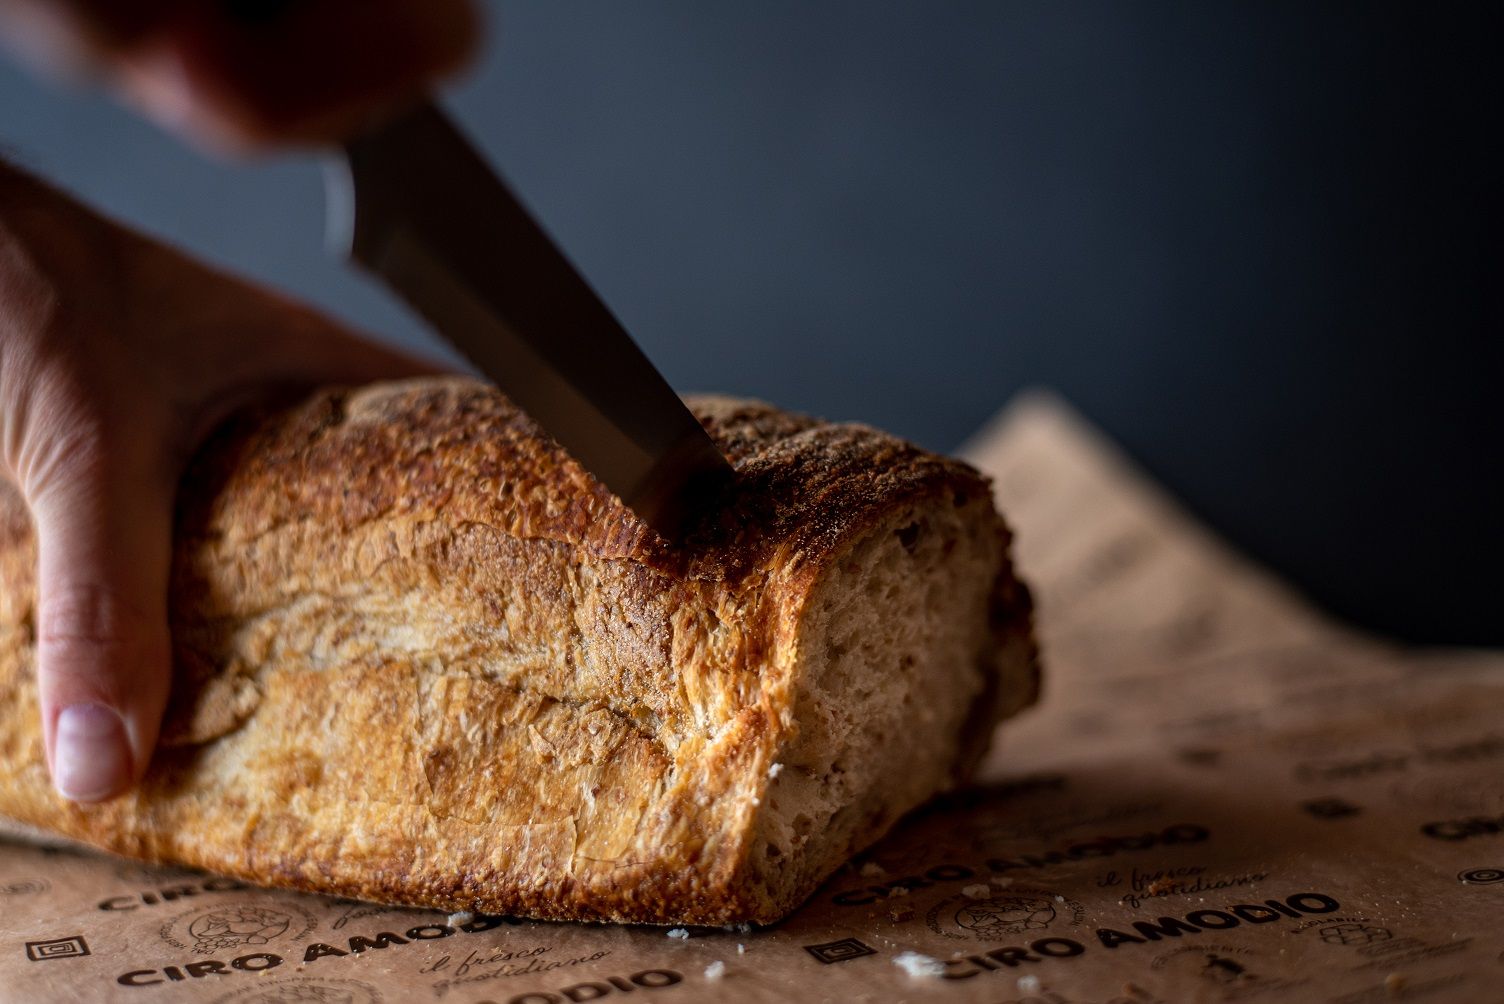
(1256,242)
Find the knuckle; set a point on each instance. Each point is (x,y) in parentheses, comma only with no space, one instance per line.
(52,431)
(92,644)
(52,466)
(84,618)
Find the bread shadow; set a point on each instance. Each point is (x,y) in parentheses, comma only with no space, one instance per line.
(1092,836)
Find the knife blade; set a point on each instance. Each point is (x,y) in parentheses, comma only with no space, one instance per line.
(415,205)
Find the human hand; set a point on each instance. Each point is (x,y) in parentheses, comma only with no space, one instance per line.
(232,74)
(118,356)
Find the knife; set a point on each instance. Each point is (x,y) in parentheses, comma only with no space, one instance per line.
(415,205)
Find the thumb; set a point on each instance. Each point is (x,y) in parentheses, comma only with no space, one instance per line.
(103,655)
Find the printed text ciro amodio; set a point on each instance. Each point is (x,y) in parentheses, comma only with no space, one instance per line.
(219,933)
(1297,906)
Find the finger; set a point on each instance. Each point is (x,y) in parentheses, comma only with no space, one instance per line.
(237,73)
(75,35)
(105,23)
(103,656)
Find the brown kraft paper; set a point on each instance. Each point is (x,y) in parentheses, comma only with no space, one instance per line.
(1221,797)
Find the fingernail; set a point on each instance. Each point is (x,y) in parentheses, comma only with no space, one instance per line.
(91,759)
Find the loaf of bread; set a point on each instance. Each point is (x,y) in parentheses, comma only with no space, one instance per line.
(421,657)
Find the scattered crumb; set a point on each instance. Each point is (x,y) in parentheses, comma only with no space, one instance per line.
(1160,886)
(741,949)
(917,965)
(775,770)
(756,800)
(679,932)
(1060,899)
(1395,984)
(899,914)
(978,891)
(462,917)
(1028,984)
(897,890)
(715,970)
(871,869)
(1000,881)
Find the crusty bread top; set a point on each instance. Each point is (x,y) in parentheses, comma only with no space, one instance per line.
(349,456)
(455,452)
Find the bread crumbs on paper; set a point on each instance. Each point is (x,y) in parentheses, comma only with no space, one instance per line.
(1001,881)
(918,966)
(741,949)
(1028,984)
(871,869)
(679,933)
(897,890)
(462,917)
(714,971)
(978,891)
(774,770)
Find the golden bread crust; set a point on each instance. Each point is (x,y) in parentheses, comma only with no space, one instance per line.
(422,657)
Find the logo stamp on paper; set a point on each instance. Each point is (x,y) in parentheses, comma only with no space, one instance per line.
(25,887)
(1217,963)
(1331,808)
(840,951)
(1234,971)
(74,947)
(1354,934)
(1384,949)
(230,926)
(1224,970)
(1200,756)
(304,990)
(1005,912)
(1481,876)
